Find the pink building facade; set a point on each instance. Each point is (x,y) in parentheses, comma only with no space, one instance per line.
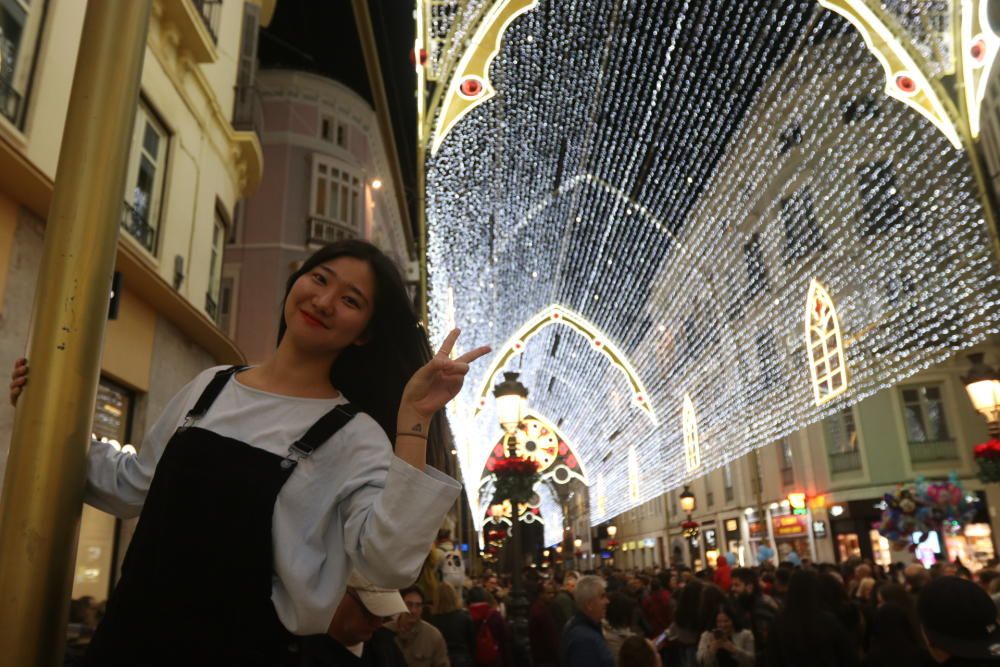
(326,177)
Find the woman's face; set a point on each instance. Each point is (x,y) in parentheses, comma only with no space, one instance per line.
(724,623)
(329,307)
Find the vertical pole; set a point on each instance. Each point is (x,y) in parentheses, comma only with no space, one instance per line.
(46,469)
(518,600)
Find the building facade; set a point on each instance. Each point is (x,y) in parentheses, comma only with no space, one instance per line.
(191,161)
(327,177)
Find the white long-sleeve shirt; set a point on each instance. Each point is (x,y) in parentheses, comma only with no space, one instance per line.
(352,504)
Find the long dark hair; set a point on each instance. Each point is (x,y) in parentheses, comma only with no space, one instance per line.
(372,376)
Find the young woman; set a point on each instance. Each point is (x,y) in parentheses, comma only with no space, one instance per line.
(726,644)
(259,489)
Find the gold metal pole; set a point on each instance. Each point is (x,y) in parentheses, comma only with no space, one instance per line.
(46,468)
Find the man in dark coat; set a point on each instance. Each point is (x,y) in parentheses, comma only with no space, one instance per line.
(583,643)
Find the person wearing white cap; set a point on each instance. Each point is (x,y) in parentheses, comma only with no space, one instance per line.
(356,636)
(421,643)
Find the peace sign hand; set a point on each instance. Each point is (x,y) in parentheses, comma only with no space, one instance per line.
(439,380)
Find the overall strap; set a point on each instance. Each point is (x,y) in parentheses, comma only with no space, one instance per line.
(320,432)
(210,393)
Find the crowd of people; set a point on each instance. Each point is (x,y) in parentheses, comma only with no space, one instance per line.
(856,614)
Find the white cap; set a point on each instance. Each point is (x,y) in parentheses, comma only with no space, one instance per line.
(379,601)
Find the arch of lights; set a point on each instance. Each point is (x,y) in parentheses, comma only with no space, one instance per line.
(760,140)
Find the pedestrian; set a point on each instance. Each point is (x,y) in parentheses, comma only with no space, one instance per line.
(249,519)
(582,643)
(657,607)
(681,642)
(895,640)
(637,651)
(543,633)
(420,642)
(493,645)
(959,621)
(723,576)
(804,632)
(727,643)
(619,623)
(455,626)
(564,603)
(356,636)
(757,608)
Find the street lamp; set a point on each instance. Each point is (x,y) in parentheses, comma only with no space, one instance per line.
(983,386)
(612,531)
(511,405)
(688,502)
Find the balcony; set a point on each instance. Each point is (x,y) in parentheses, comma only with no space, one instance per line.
(931,451)
(323,231)
(248,114)
(845,461)
(196,23)
(136,224)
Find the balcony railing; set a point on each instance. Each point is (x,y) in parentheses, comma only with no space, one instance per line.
(930,451)
(323,231)
(248,114)
(10,101)
(787,476)
(136,224)
(845,461)
(211,307)
(210,11)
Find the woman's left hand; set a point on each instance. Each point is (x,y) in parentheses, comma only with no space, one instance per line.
(440,379)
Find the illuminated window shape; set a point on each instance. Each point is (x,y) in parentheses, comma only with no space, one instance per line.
(824,345)
(689,425)
(602,498)
(633,475)
(598,341)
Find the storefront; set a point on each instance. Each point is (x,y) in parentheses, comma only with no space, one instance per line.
(791,536)
(852,527)
(732,539)
(757,537)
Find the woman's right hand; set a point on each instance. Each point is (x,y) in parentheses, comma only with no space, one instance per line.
(18,379)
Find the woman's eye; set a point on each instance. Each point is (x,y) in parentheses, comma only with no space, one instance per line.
(319,277)
(351,302)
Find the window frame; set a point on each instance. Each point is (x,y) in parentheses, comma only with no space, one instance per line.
(28,45)
(146,116)
(349,181)
(217,249)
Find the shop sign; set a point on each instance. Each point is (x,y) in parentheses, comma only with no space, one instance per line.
(732,527)
(648,543)
(792,525)
(756,529)
(819,529)
(710,542)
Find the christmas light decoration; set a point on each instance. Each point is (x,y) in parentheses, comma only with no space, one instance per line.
(677,175)
(826,347)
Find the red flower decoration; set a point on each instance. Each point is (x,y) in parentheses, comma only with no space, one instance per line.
(515,466)
(988,450)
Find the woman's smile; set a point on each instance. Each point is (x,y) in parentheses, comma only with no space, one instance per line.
(311,321)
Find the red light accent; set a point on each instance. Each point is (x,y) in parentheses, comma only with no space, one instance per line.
(471,87)
(978,50)
(906,83)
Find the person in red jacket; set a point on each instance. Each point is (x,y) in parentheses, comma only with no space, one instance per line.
(656,607)
(723,574)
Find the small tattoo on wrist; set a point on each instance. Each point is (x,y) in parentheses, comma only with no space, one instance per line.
(418,428)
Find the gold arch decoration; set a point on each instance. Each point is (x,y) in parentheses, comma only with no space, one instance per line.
(979,46)
(905,79)
(470,83)
(560,315)
(824,345)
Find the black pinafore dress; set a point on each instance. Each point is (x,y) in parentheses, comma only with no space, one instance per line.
(196,582)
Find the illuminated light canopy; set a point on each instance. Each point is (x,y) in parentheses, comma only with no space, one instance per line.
(677,175)
(827,362)
(560,315)
(633,475)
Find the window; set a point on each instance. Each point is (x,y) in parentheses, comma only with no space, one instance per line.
(827,364)
(727,481)
(841,435)
(333,131)
(689,426)
(709,493)
(215,266)
(802,233)
(753,256)
(144,183)
(787,466)
(882,207)
(226,297)
(926,424)
(673,503)
(336,198)
(245,101)
(20,24)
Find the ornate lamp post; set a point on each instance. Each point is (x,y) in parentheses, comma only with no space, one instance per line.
(688,505)
(983,386)
(511,401)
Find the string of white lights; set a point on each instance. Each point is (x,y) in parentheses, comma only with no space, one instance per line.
(679,173)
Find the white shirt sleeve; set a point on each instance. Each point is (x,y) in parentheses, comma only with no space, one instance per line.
(366,504)
(117,482)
